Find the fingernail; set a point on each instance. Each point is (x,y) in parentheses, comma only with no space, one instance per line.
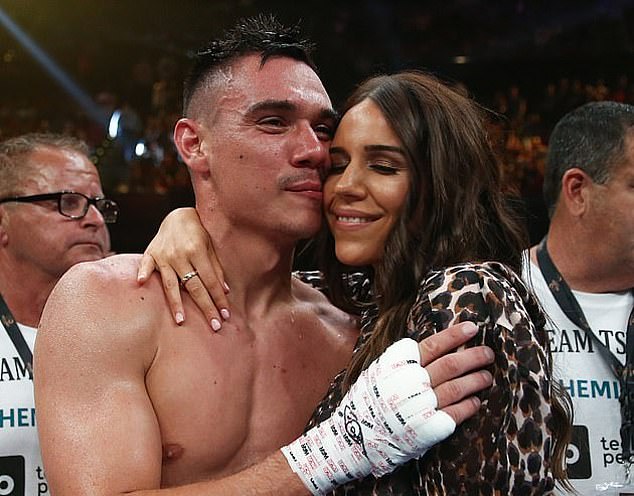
(226,286)
(489,353)
(141,277)
(215,324)
(486,375)
(469,329)
(179,318)
(225,313)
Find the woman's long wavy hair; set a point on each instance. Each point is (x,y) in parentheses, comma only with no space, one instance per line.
(455,212)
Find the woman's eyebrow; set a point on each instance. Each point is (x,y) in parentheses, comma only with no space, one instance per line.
(384,148)
(372,148)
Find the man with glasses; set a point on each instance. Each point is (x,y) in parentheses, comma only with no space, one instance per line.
(52,216)
(72,204)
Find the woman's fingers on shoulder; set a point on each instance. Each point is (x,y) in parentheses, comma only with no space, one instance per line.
(171,288)
(147,265)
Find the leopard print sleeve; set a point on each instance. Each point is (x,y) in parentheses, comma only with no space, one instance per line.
(505,448)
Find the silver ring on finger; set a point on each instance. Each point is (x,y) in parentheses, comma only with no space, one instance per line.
(188,276)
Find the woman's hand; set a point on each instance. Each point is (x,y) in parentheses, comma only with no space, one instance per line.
(183,254)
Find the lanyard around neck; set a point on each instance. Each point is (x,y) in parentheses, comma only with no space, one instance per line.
(570,306)
(16,336)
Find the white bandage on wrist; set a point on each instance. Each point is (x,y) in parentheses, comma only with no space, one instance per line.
(387,417)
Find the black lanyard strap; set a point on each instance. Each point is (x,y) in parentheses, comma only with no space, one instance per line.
(624,373)
(16,336)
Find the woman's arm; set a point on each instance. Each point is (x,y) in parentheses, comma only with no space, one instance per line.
(182,246)
(506,445)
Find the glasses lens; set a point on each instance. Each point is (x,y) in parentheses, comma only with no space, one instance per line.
(73,205)
(109,210)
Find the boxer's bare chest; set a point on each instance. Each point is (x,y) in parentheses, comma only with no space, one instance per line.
(225,400)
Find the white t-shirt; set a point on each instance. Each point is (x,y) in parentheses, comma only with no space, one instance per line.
(21,471)
(593,458)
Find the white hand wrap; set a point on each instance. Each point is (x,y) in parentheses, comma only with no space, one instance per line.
(387,417)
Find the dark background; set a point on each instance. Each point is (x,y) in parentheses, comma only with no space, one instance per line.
(521,41)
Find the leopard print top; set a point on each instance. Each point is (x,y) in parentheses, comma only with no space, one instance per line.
(505,448)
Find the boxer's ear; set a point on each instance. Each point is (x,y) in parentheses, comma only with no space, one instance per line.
(189,142)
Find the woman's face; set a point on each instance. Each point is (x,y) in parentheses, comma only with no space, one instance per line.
(367,185)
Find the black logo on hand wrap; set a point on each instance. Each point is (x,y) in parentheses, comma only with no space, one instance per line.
(353,427)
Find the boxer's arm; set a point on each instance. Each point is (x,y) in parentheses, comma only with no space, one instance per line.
(99,435)
(98,431)
(394,412)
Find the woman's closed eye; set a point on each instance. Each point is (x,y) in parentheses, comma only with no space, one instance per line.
(386,169)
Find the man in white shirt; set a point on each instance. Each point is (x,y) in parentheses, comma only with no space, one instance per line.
(52,216)
(587,257)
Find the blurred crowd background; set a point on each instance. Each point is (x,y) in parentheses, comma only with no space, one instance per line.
(110,72)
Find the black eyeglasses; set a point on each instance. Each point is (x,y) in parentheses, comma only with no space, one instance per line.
(73,205)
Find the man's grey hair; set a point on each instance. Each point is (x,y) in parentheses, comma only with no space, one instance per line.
(14,168)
